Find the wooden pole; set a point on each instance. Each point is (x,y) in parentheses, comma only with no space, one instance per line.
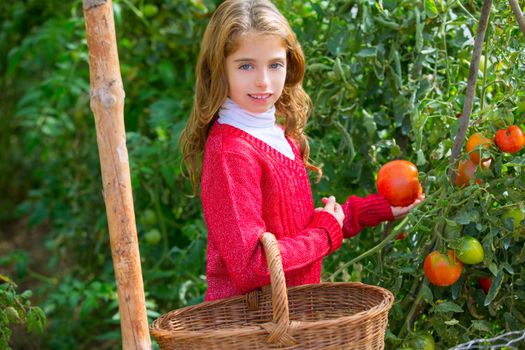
(518,14)
(471,87)
(107,104)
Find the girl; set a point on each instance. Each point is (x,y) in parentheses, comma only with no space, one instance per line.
(252,171)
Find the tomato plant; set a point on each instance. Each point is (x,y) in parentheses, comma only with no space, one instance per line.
(398,181)
(510,139)
(469,250)
(442,270)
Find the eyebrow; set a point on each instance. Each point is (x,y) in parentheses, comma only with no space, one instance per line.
(253,60)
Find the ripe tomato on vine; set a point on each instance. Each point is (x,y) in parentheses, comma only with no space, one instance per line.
(485,283)
(442,270)
(466,172)
(475,142)
(510,140)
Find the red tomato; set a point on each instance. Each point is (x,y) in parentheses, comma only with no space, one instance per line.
(401,236)
(485,283)
(474,143)
(442,270)
(466,171)
(398,182)
(511,139)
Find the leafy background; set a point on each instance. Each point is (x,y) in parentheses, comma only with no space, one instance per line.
(387,78)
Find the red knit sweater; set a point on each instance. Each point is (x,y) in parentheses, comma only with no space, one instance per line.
(247,188)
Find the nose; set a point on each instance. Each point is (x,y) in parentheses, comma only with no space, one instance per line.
(262,79)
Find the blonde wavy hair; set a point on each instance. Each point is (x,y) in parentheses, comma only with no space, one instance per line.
(232,19)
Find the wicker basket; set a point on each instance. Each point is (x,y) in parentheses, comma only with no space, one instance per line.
(315,316)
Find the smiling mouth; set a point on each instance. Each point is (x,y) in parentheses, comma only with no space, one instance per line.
(260,96)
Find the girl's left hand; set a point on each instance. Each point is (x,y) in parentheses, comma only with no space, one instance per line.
(334,208)
(400,212)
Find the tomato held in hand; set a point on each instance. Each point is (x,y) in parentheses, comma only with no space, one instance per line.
(398,182)
(466,172)
(511,139)
(442,270)
(469,250)
(474,143)
(485,283)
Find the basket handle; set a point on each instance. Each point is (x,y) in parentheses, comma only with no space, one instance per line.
(279,328)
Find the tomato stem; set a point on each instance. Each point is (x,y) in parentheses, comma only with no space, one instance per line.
(376,248)
(407,325)
(408,321)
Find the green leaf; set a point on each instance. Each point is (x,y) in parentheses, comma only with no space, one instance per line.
(318,67)
(465,217)
(5,279)
(494,288)
(430,9)
(447,306)
(426,292)
(482,326)
(338,39)
(369,123)
(421,160)
(26,294)
(451,223)
(367,52)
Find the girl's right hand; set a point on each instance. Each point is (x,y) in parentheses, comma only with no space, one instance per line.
(334,208)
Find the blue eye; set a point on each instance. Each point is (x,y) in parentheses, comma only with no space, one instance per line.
(276,65)
(245,66)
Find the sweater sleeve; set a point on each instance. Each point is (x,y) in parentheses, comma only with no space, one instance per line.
(365,212)
(232,204)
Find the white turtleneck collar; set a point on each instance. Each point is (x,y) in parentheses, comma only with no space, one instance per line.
(259,125)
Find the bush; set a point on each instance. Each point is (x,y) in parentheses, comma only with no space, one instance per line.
(16,309)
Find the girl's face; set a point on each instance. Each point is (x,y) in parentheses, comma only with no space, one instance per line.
(256,72)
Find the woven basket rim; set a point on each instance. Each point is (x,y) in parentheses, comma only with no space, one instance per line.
(383,306)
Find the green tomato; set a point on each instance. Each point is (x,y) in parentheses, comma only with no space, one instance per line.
(153,237)
(12,314)
(517,217)
(148,218)
(421,342)
(482,64)
(469,250)
(521,107)
(150,10)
